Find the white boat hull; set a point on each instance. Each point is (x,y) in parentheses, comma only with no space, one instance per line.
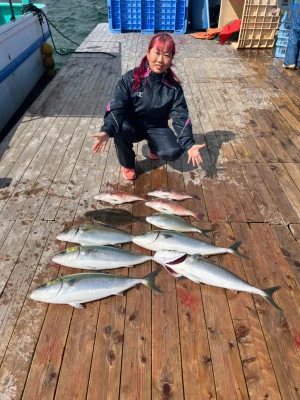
(21,61)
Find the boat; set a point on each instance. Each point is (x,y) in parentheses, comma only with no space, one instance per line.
(21,59)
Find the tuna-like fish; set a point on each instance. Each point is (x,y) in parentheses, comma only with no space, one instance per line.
(97,235)
(174,223)
(113,217)
(204,271)
(170,194)
(117,197)
(81,288)
(170,207)
(170,240)
(99,257)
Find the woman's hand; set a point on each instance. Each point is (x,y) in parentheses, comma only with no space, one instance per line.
(194,154)
(101,141)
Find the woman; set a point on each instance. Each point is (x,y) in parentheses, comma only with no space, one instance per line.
(143,101)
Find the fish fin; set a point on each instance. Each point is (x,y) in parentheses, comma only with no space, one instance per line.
(205,231)
(234,250)
(76,305)
(269,296)
(150,278)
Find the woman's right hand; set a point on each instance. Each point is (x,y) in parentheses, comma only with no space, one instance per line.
(101,141)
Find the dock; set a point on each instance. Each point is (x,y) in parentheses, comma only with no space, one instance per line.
(193,342)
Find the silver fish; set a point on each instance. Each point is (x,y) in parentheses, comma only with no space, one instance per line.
(170,194)
(99,257)
(81,288)
(170,207)
(170,240)
(117,197)
(174,223)
(204,271)
(94,235)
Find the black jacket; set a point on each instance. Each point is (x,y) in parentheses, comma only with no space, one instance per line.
(152,104)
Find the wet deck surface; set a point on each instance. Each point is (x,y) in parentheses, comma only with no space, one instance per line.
(195,341)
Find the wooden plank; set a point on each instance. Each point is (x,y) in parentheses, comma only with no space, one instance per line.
(249,338)
(292,193)
(290,249)
(22,344)
(280,345)
(295,229)
(279,197)
(136,360)
(238,180)
(294,171)
(261,195)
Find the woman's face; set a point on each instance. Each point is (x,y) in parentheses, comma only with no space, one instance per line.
(159,60)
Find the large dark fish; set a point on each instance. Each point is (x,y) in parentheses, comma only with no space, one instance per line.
(113,217)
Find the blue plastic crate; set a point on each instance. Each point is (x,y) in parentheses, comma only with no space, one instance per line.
(147,16)
(280,51)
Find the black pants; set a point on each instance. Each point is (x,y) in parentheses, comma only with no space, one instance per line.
(161,141)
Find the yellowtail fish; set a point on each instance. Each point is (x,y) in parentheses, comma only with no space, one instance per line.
(170,240)
(174,223)
(97,235)
(77,289)
(117,197)
(203,271)
(99,257)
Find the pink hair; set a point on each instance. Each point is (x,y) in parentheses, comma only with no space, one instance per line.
(159,41)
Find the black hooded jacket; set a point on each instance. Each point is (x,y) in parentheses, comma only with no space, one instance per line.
(152,104)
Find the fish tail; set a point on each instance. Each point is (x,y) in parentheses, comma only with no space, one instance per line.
(150,278)
(195,196)
(234,250)
(269,296)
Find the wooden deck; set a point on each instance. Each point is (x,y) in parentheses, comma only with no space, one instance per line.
(194,342)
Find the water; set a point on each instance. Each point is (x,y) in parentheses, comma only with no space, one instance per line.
(75,20)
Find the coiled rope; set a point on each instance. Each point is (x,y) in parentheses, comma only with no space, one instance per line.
(41,14)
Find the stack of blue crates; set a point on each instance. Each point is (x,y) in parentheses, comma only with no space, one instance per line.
(147,16)
(283,35)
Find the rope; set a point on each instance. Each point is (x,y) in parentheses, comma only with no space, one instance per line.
(41,14)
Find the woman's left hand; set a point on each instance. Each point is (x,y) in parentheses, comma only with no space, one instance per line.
(194,154)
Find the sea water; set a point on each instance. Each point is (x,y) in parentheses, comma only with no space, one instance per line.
(75,20)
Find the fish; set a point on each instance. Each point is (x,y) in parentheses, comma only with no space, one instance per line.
(98,235)
(203,271)
(170,194)
(113,217)
(99,257)
(156,240)
(82,288)
(117,197)
(174,223)
(170,207)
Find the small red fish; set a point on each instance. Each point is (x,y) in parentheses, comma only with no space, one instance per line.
(170,194)
(170,207)
(117,197)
